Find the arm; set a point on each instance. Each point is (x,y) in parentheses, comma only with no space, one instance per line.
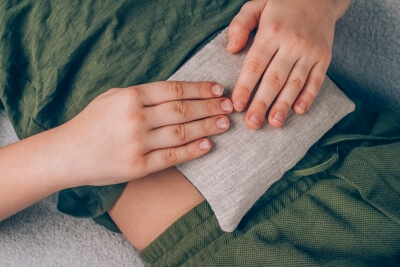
(29,172)
(124,134)
(153,204)
(290,54)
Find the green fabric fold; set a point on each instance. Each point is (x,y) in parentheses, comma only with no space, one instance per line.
(57,56)
(340,214)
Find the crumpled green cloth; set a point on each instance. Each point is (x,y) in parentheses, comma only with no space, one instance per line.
(57,56)
(338,207)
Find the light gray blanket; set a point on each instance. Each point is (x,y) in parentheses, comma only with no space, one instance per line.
(42,236)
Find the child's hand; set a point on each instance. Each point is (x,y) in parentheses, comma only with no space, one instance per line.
(291,52)
(128,133)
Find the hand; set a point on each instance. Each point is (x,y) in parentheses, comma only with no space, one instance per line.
(291,52)
(128,133)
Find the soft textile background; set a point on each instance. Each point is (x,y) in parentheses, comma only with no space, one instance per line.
(42,236)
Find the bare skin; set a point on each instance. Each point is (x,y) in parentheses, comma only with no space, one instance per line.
(148,206)
(291,53)
(122,135)
(293,44)
(155,126)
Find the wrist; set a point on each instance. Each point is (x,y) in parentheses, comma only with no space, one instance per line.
(57,159)
(49,160)
(30,172)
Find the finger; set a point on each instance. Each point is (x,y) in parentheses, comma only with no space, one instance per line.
(176,112)
(163,158)
(179,134)
(290,91)
(272,82)
(311,88)
(161,92)
(242,24)
(255,63)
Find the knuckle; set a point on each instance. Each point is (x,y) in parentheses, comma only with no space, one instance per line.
(322,53)
(130,97)
(274,80)
(131,100)
(141,163)
(177,89)
(276,27)
(137,164)
(296,40)
(207,127)
(202,90)
(134,92)
(254,66)
(316,82)
(261,105)
(325,53)
(285,105)
(137,139)
(137,117)
(181,131)
(182,107)
(210,106)
(171,156)
(244,91)
(297,83)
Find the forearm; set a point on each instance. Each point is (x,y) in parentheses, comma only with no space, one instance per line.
(111,141)
(30,171)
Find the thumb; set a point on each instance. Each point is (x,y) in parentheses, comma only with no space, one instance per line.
(242,24)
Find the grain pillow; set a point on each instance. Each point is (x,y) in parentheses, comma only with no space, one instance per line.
(244,163)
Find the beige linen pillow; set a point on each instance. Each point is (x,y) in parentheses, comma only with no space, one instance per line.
(244,163)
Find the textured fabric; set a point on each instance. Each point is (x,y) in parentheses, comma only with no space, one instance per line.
(7,133)
(57,56)
(30,62)
(345,214)
(366,52)
(366,24)
(245,163)
(42,236)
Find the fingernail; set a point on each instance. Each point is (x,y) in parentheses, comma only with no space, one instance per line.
(239,105)
(231,42)
(226,105)
(279,117)
(222,123)
(217,89)
(303,106)
(204,145)
(255,119)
